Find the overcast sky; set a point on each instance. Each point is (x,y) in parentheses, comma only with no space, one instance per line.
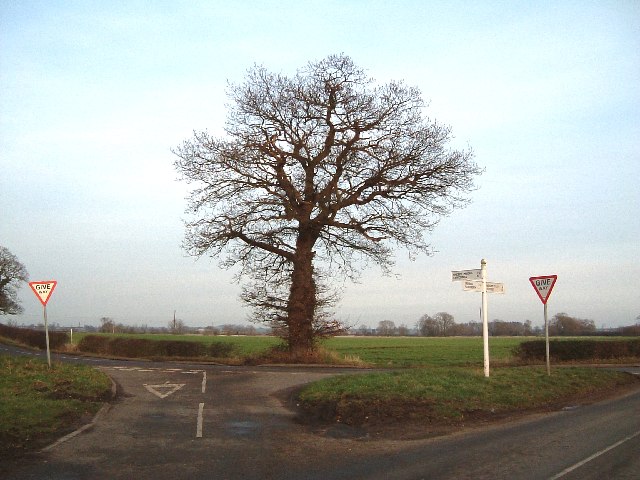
(93,96)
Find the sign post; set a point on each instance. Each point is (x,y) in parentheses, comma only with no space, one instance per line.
(476,281)
(543,286)
(485,321)
(43,291)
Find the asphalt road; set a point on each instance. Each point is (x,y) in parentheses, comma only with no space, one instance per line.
(175,421)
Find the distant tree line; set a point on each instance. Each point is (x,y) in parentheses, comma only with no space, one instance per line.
(176,327)
(443,324)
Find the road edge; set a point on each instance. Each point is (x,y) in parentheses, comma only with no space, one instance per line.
(103,410)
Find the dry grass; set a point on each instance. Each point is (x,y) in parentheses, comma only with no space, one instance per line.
(318,356)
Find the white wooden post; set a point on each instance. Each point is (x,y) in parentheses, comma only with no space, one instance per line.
(485,322)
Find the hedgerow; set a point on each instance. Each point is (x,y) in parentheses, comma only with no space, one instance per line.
(568,350)
(34,338)
(144,348)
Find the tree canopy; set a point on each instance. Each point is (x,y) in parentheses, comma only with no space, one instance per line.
(12,274)
(316,173)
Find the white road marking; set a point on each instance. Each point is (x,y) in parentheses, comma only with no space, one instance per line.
(204,381)
(171,388)
(199,425)
(595,455)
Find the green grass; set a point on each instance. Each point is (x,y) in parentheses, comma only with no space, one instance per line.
(451,394)
(38,404)
(381,352)
(375,351)
(424,351)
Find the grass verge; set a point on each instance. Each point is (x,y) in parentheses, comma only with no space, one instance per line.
(450,396)
(38,405)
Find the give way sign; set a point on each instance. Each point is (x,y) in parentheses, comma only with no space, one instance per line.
(543,286)
(43,290)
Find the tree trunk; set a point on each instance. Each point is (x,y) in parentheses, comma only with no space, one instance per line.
(302,298)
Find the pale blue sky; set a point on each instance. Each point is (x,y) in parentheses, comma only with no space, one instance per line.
(93,95)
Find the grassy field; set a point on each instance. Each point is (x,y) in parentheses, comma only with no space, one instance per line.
(37,405)
(381,352)
(375,351)
(423,351)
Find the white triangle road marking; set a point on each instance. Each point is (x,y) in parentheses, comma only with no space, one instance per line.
(162,393)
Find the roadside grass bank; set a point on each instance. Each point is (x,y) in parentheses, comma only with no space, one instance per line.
(455,396)
(39,405)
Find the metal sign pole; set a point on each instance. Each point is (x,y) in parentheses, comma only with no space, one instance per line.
(546,334)
(485,323)
(46,335)
(43,291)
(543,286)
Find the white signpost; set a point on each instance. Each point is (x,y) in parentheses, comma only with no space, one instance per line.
(476,281)
(43,291)
(543,286)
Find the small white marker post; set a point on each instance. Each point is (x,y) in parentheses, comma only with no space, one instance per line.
(476,281)
(543,286)
(43,291)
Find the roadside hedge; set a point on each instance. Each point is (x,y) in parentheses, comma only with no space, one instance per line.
(34,338)
(568,350)
(145,348)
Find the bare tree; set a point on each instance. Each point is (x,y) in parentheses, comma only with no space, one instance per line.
(386,328)
(403,330)
(440,325)
(176,326)
(268,294)
(427,326)
(563,324)
(12,275)
(445,323)
(107,325)
(324,167)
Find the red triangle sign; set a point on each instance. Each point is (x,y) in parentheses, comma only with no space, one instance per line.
(43,290)
(543,286)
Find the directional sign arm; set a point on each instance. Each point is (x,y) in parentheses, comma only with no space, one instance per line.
(476,286)
(461,275)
